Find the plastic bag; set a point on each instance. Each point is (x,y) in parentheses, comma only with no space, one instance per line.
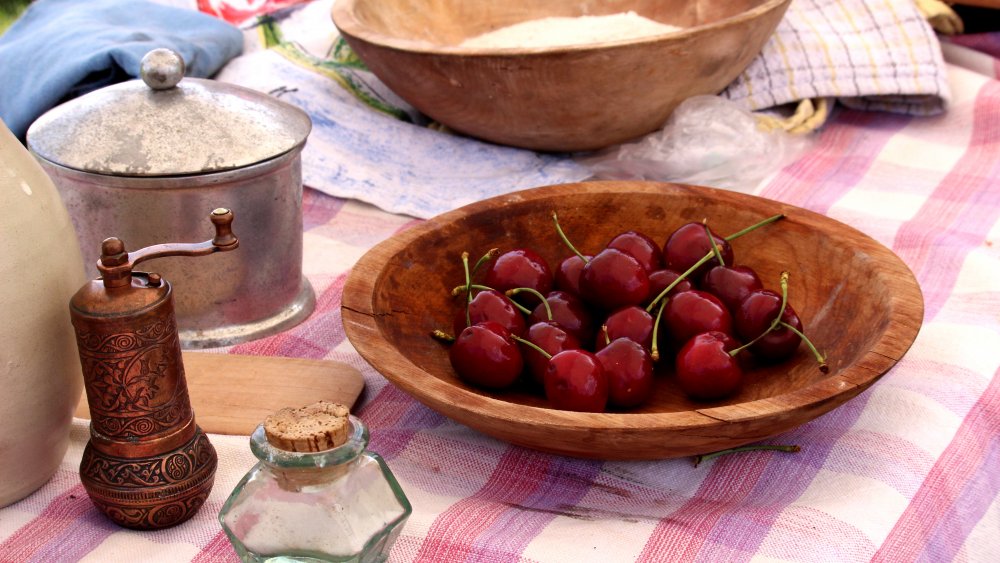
(708,141)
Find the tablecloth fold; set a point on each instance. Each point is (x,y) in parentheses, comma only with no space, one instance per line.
(868,54)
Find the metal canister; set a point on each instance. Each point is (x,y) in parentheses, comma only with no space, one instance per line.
(141,158)
(147,465)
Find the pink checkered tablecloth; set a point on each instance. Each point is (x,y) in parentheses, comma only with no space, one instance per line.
(907,471)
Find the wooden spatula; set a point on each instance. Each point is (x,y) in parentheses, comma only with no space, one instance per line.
(232,394)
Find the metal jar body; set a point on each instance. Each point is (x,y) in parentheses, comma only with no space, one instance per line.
(237,296)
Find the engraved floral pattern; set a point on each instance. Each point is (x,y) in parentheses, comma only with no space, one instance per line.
(134,381)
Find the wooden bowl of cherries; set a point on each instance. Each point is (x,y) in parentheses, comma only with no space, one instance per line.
(631,320)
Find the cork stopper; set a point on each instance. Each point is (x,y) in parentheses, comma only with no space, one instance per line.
(312,428)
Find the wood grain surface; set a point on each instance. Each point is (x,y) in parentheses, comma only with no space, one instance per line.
(858,301)
(559,98)
(995,4)
(232,394)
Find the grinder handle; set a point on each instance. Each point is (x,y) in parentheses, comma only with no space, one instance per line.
(116,264)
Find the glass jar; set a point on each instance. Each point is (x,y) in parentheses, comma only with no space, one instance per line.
(341,504)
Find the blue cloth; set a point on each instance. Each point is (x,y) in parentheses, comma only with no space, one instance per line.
(60,49)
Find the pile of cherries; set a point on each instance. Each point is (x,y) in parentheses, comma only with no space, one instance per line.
(590,332)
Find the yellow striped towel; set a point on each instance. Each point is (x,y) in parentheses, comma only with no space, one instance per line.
(868,54)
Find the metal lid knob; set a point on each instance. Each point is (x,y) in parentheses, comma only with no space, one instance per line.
(161,69)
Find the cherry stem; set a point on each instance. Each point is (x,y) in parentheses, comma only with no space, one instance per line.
(521,308)
(536,293)
(468,288)
(492,253)
(442,336)
(819,357)
(711,239)
(679,279)
(708,257)
(532,345)
(767,221)
(607,337)
(783,281)
(654,351)
(461,288)
(705,457)
(565,240)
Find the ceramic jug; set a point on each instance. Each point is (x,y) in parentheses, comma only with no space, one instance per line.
(40,269)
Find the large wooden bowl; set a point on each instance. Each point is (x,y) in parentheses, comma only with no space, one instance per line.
(858,302)
(557,98)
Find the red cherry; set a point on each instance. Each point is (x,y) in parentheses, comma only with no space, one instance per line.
(548,336)
(629,368)
(661,279)
(494,306)
(614,279)
(689,244)
(731,284)
(631,322)
(569,311)
(576,381)
(568,274)
(705,370)
(484,354)
(640,247)
(520,267)
(692,312)
(755,315)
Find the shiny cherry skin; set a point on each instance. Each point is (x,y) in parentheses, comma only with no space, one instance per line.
(692,312)
(631,322)
(548,336)
(704,369)
(491,306)
(661,279)
(567,277)
(640,247)
(629,368)
(731,284)
(688,244)
(569,311)
(755,315)
(614,279)
(521,267)
(485,355)
(575,381)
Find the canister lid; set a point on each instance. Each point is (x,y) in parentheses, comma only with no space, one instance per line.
(162,125)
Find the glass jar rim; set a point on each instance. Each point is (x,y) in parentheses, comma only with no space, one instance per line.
(357,442)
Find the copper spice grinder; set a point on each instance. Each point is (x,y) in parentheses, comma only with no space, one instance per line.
(147,464)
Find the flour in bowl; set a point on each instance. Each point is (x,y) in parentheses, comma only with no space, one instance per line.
(561,32)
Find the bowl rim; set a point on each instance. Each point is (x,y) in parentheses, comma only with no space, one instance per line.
(359,320)
(343,16)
